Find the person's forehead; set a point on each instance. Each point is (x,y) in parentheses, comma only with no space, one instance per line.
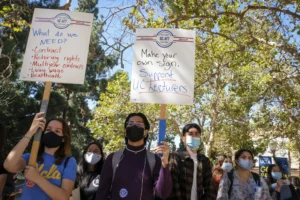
(193,130)
(276,168)
(93,147)
(246,153)
(55,124)
(136,119)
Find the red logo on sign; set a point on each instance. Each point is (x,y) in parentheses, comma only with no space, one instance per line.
(30,184)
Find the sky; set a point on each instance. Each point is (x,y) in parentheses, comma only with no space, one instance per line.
(128,53)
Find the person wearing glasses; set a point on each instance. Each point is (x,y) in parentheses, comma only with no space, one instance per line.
(134,172)
(89,170)
(191,171)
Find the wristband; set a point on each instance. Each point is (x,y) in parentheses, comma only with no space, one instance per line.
(29,138)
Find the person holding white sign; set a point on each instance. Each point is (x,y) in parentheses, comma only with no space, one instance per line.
(134,173)
(55,172)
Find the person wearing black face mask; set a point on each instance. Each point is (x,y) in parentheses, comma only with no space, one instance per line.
(55,174)
(133,173)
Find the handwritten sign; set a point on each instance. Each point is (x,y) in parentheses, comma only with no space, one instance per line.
(57,46)
(163,66)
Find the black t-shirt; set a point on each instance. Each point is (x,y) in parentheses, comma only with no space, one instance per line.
(89,192)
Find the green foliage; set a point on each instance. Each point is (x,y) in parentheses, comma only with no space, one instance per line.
(67,101)
(247,68)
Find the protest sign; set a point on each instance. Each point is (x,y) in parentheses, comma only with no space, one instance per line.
(264,162)
(163,66)
(283,165)
(57,46)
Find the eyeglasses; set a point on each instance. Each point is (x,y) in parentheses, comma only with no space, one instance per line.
(95,151)
(138,124)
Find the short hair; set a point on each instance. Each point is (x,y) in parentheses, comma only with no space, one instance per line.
(141,115)
(241,151)
(187,127)
(145,120)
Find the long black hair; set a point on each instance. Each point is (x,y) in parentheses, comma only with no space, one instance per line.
(271,180)
(82,167)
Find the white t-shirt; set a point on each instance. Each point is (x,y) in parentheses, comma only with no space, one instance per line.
(194,187)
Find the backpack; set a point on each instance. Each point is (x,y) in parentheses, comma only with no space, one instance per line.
(230,176)
(118,156)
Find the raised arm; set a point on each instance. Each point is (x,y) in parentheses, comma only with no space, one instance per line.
(162,179)
(14,162)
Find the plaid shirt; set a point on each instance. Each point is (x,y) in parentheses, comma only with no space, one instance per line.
(182,170)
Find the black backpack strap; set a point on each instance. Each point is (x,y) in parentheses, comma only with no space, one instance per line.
(66,161)
(65,164)
(230,177)
(256,178)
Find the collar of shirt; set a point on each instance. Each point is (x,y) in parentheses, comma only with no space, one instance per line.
(135,148)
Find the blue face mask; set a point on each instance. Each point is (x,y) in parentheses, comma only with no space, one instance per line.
(276,175)
(193,142)
(246,164)
(227,167)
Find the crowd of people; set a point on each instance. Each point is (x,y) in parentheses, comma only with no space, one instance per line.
(136,174)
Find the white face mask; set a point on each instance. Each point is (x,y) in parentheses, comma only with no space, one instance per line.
(92,158)
(227,167)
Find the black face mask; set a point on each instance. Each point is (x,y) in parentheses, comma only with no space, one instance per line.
(134,133)
(52,140)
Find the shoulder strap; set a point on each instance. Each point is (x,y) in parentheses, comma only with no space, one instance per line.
(151,160)
(65,164)
(256,178)
(115,161)
(66,161)
(230,177)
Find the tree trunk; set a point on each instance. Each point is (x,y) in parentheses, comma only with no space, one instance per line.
(212,132)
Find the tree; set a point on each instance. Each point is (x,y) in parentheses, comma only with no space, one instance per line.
(247,58)
(114,106)
(67,101)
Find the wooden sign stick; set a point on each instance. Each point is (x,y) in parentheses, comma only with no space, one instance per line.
(44,107)
(38,135)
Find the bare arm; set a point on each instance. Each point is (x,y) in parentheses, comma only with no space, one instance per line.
(14,162)
(54,192)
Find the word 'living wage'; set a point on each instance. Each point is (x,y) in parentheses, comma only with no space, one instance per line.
(46,63)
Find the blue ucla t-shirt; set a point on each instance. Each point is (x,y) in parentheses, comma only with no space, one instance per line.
(53,173)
